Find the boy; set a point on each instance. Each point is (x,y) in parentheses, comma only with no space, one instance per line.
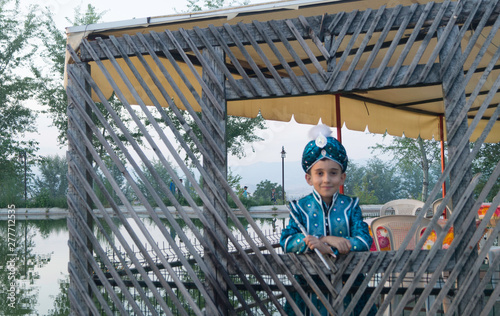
(333,221)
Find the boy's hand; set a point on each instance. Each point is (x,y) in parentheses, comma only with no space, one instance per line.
(341,244)
(314,242)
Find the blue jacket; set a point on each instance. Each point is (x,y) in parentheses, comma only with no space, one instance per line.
(343,218)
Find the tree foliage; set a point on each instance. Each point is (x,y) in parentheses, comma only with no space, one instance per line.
(19,45)
(263,192)
(165,182)
(53,96)
(485,163)
(375,183)
(410,154)
(52,184)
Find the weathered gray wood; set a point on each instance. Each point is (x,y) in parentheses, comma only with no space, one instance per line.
(218,255)
(292,52)
(347,52)
(73,126)
(316,22)
(307,49)
(432,79)
(363,45)
(130,230)
(451,113)
(217,172)
(276,81)
(242,72)
(300,267)
(382,37)
(280,57)
(315,38)
(265,59)
(425,43)
(356,258)
(248,59)
(146,161)
(454,71)
(416,30)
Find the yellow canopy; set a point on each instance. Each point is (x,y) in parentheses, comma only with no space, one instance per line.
(401,111)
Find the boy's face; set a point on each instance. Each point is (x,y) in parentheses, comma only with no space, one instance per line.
(326,177)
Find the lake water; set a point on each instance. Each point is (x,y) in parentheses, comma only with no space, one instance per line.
(38,263)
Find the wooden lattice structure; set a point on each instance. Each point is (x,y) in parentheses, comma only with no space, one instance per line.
(448,46)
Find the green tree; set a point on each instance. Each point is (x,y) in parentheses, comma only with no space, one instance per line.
(19,45)
(118,178)
(375,183)
(485,162)
(52,184)
(158,186)
(263,192)
(54,98)
(408,153)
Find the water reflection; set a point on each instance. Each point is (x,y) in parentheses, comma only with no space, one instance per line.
(24,261)
(40,259)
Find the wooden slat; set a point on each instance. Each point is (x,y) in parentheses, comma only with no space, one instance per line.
(300,267)
(363,45)
(340,37)
(382,37)
(346,286)
(275,50)
(248,57)
(314,37)
(151,212)
(218,87)
(423,45)
(307,50)
(97,270)
(441,42)
(388,257)
(294,55)
(346,54)
(463,30)
(265,59)
(411,40)
(236,63)
(401,30)
(136,238)
(368,276)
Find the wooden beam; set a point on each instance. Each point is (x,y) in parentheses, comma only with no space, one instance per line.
(314,26)
(432,79)
(356,257)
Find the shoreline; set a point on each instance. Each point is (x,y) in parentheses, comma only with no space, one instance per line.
(261,211)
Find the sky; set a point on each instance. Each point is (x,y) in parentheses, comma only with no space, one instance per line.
(290,135)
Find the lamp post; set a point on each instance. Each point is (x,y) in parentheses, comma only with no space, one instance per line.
(22,157)
(283,155)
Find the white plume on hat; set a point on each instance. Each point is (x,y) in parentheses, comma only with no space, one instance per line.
(320,129)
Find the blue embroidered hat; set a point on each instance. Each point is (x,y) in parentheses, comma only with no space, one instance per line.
(323,146)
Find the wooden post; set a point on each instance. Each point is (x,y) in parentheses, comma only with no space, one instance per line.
(221,166)
(441,142)
(452,89)
(75,190)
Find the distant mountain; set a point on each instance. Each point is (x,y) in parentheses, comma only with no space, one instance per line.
(295,183)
